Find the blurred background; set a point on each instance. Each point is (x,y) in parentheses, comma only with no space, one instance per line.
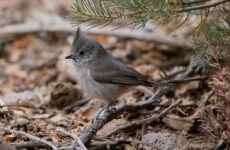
(35,36)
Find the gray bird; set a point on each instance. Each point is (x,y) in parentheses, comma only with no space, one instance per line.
(99,74)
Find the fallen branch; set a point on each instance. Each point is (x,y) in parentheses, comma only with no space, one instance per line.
(29,145)
(99,123)
(172,74)
(76,140)
(139,122)
(101,145)
(6,128)
(64,26)
(206,101)
(185,80)
(35,144)
(154,105)
(178,80)
(68,109)
(107,144)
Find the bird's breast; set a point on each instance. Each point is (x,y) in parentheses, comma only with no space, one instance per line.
(104,91)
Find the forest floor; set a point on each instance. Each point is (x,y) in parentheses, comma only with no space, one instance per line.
(39,89)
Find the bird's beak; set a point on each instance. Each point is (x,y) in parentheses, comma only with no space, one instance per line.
(69,57)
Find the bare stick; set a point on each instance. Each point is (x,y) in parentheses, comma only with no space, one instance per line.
(101,145)
(29,145)
(64,26)
(178,80)
(153,117)
(186,80)
(206,101)
(68,109)
(6,128)
(105,143)
(172,74)
(76,140)
(201,6)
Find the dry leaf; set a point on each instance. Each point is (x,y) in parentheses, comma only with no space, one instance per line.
(141,45)
(177,123)
(90,110)
(154,57)
(26,98)
(183,88)
(4,145)
(6,114)
(40,77)
(30,132)
(19,47)
(10,138)
(111,125)
(15,72)
(146,69)
(63,94)
(100,38)
(57,118)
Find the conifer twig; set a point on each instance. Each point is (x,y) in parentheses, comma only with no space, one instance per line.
(201,6)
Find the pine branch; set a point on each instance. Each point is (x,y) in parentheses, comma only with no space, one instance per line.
(213,34)
(201,6)
(103,12)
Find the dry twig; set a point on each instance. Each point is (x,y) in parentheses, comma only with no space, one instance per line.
(65,27)
(185,80)
(29,145)
(76,140)
(69,108)
(107,144)
(6,128)
(171,74)
(152,118)
(206,101)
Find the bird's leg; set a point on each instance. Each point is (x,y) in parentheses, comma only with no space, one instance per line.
(104,109)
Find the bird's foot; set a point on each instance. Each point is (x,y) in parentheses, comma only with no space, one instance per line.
(112,110)
(105,109)
(98,117)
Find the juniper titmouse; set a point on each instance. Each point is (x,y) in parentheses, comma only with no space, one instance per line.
(99,74)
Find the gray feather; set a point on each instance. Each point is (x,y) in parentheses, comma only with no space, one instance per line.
(115,72)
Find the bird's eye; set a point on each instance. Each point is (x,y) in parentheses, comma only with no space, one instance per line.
(81,53)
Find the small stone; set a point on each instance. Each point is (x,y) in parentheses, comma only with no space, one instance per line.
(162,141)
(26,98)
(22,121)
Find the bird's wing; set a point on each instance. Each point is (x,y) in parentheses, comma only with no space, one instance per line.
(119,74)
